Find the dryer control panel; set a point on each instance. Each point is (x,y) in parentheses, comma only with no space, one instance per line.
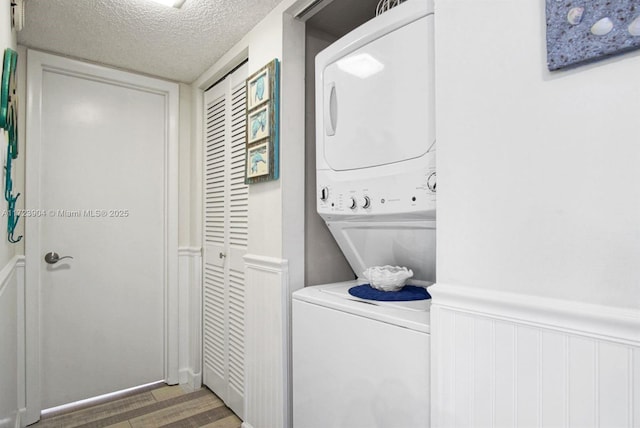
(411,193)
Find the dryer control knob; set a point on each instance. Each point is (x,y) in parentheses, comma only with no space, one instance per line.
(366,203)
(324,194)
(353,204)
(431,182)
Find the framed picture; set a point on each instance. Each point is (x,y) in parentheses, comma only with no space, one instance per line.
(258,88)
(258,124)
(262,129)
(258,160)
(583,32)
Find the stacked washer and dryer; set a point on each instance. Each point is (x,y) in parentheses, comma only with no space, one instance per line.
(357,362)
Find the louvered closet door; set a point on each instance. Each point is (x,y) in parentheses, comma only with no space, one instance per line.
(225,238)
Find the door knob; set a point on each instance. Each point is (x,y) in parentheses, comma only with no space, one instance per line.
(222,255)
(53,258)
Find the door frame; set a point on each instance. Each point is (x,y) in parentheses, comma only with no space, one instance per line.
(37,64)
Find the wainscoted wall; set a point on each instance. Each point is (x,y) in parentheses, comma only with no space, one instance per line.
(511,360)
(190,315)
(267,332)
(11,345)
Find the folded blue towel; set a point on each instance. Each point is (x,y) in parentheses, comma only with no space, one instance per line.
(408,292)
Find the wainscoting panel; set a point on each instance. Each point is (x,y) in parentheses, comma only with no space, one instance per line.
(12,381)
(512,364)
(267,342)
(190,314)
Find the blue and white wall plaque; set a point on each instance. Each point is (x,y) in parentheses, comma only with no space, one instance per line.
(587,30)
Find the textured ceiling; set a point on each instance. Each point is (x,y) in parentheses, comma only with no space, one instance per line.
(176,44)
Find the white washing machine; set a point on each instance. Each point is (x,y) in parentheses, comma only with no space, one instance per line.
(356,362)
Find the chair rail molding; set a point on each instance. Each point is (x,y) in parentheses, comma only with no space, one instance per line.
(598,321)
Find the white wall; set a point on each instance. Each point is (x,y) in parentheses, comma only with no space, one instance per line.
(9,325)
(536,312)
(538,172)
(275,209)
(184,233)
(324,262)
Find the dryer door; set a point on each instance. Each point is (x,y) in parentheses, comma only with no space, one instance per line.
(377,100)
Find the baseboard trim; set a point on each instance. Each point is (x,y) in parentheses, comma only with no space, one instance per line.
(183,376)
(22,414)
(188,377)
(101,399)
(618,325)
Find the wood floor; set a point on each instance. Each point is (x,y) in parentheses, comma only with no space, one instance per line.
(158,406)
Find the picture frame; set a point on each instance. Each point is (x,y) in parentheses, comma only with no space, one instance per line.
(583,32)
(262,129)
(258,126)
(258,160)
(258,88)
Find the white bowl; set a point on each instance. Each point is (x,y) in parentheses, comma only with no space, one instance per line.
(387,278)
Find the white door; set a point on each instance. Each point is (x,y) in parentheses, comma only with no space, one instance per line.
(101,183)
(225,238)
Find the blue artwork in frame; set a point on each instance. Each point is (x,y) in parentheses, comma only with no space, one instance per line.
(259,124)
(258,88)
(263,124)
(581,31)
